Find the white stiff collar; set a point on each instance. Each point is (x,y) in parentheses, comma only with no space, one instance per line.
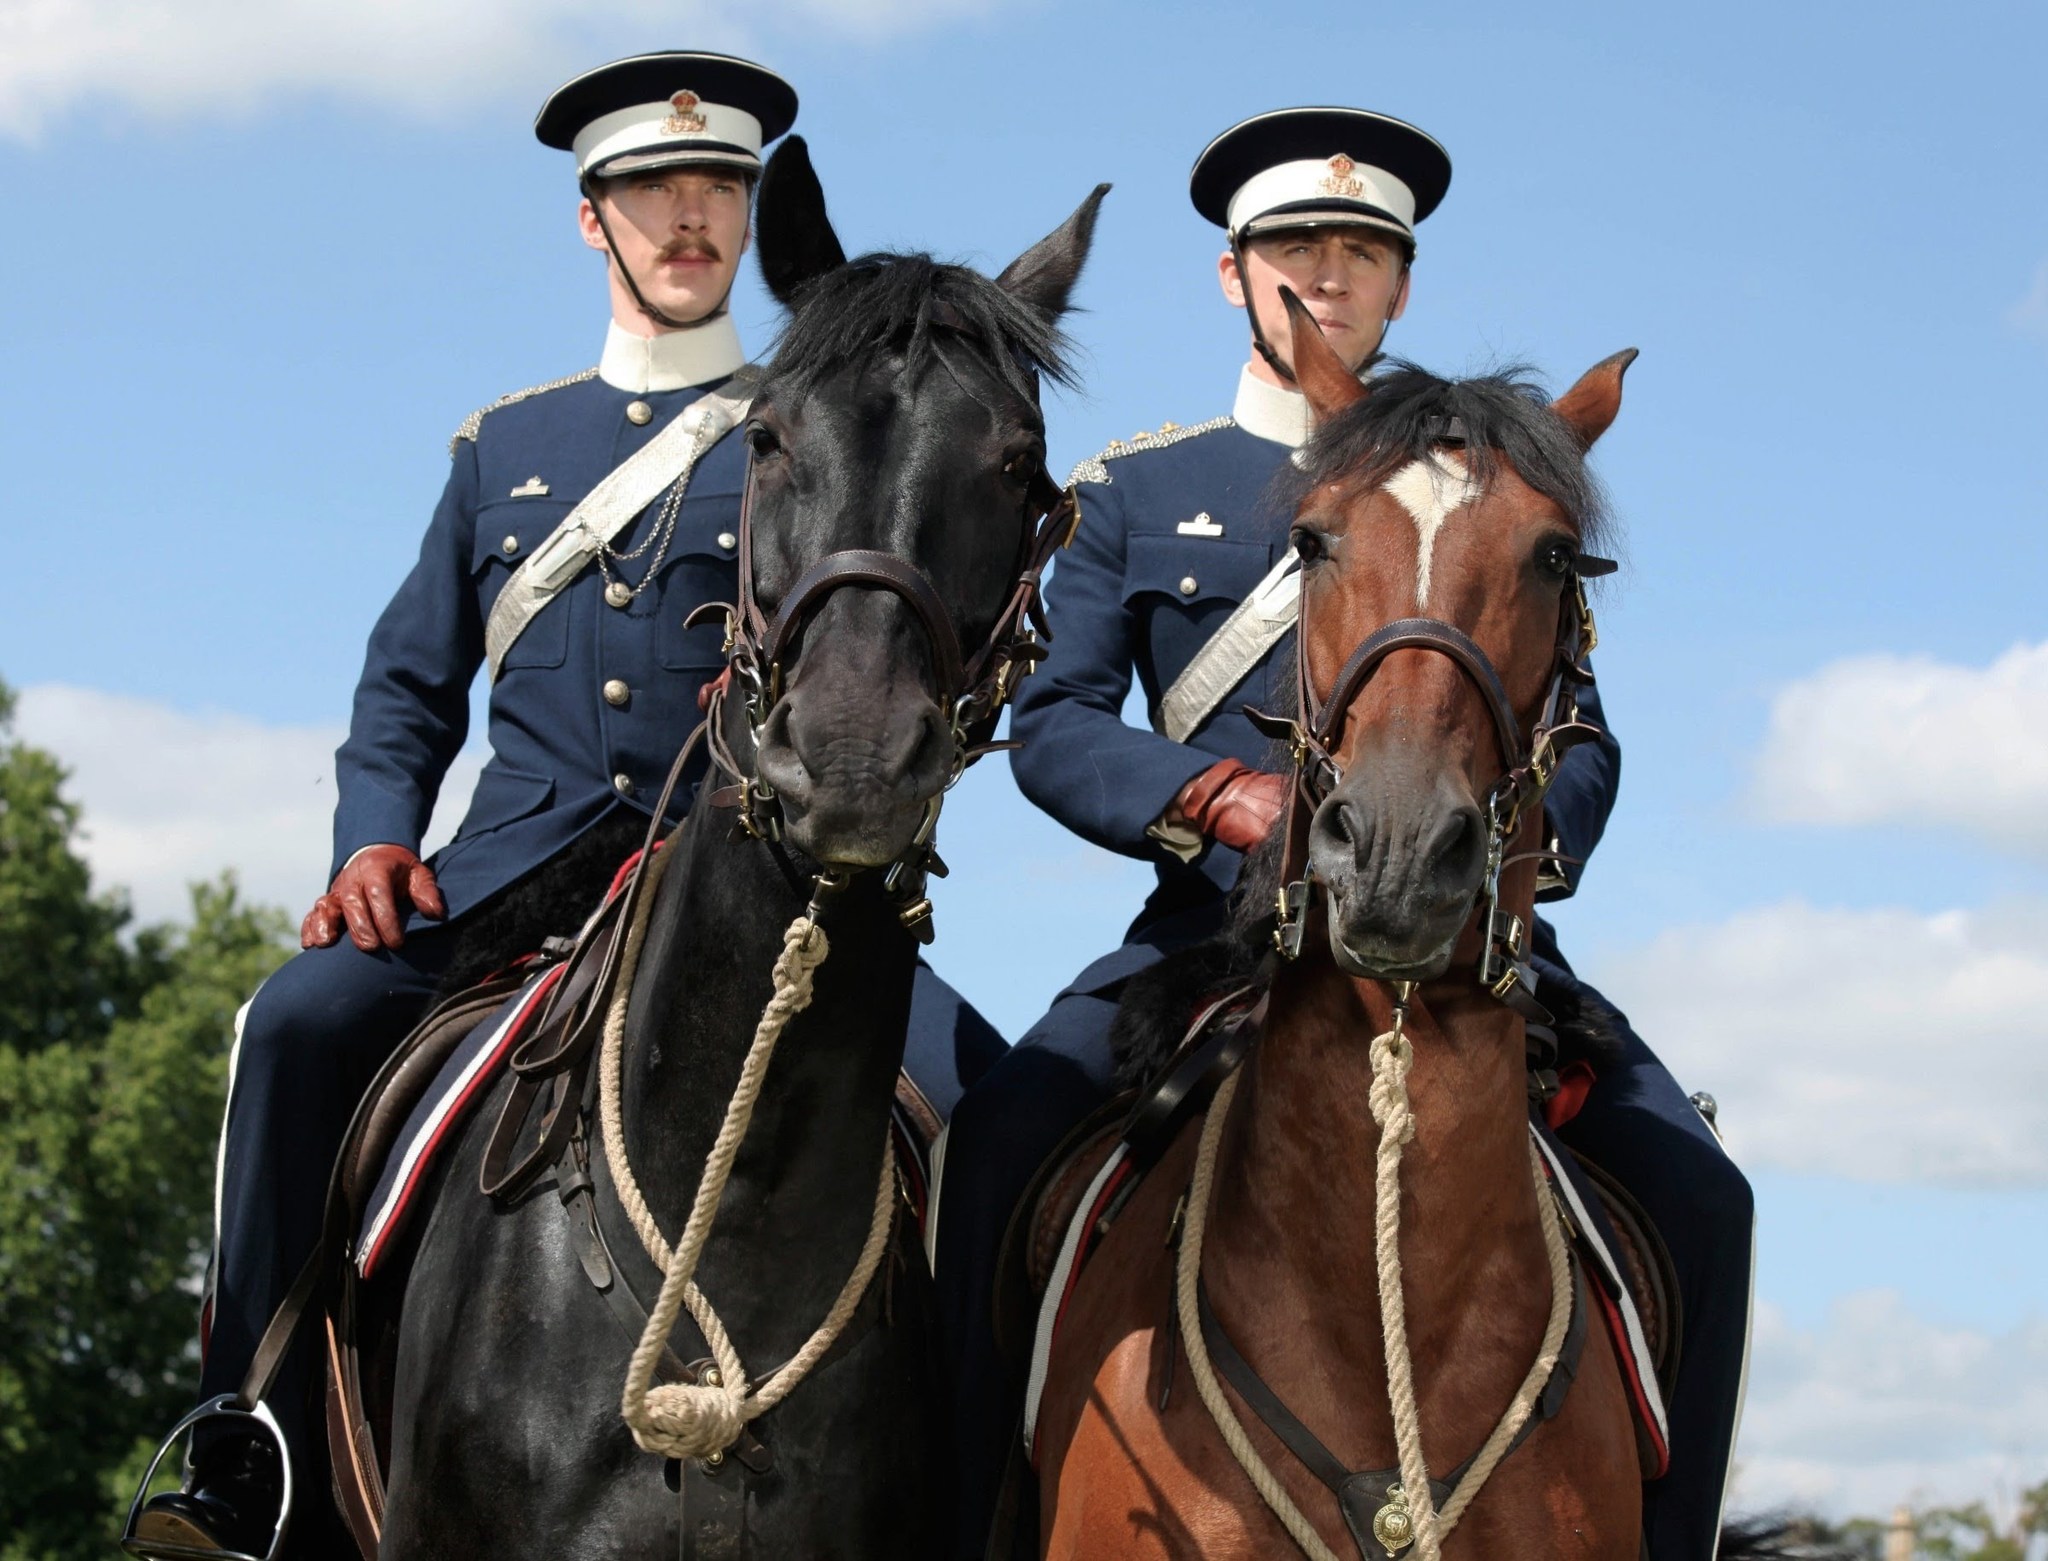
(673,360)
(1271,412)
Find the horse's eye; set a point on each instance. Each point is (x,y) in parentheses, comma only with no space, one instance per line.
(1307,545)
(762,442)
(1556,558)
(1018,468)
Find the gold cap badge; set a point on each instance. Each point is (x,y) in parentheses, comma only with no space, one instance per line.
(1341,180)
(685,120)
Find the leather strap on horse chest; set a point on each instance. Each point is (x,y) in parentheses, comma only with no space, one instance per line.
(1362,1495)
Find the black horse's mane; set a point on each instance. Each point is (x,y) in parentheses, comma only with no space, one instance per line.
(898,302)
(1504,415)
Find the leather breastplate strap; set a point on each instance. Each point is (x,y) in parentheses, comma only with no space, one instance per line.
(1363,1494)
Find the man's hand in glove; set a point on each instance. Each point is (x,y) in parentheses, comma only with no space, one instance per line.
(371,895)
(1233,804)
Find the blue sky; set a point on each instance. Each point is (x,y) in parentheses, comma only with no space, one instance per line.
(258,271)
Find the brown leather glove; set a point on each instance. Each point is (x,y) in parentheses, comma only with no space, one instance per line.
(1233,804)
(371,894)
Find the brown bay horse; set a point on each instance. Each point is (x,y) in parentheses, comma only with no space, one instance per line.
(1441,533)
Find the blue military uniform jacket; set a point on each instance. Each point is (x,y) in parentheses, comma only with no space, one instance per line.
(593,700)
(1176,528)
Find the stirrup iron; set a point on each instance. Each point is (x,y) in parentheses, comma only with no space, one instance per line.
(256,1418)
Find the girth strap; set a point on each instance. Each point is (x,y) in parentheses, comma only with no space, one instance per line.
(1363,1494)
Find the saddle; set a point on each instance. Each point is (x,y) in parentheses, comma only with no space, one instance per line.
(1085,1183)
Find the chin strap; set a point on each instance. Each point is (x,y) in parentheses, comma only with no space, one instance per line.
(1260,345)
(666,321)
(1263,347)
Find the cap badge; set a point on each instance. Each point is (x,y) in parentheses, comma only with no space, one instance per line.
(1341,180)
(685,120)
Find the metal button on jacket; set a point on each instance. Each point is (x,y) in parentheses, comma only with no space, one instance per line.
(510,546)
(1188,587)
(639,412)
(728,541)
(616,693)
(623,785)
(619,594)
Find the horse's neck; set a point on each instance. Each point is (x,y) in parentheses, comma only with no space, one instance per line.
(1297,1207)
(803,1187)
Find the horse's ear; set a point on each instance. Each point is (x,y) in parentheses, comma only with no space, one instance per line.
(1045,273)
(792,234)
(1590,407)
(1329,386)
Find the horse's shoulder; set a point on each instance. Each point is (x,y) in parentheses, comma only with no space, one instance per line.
(472,425)
(1145,442)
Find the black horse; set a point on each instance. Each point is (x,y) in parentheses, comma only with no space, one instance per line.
(899,417)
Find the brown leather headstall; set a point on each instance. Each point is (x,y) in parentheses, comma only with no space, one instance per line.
(1528,768)
(972,688)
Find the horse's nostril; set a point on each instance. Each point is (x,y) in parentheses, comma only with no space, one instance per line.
(1458,843)
(1349,828)
(934,749)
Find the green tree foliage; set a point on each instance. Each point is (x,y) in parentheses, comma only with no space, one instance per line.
(113,1055)
(1971,1533)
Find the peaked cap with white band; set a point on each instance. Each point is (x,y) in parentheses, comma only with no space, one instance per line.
(1320,167)
(661,110)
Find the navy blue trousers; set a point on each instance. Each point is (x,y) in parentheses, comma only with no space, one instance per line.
(313,1038)
(1637,1124)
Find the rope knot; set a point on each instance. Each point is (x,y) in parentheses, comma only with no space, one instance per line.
(697,1420)
(685,1420)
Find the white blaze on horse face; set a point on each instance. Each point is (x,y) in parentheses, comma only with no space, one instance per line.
(1430,491)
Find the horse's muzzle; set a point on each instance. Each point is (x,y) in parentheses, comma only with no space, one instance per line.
(1402,866)
(854,780)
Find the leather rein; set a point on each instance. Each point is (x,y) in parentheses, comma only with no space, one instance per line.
(1529,766)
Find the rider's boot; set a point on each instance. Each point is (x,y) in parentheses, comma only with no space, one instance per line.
(229,1506)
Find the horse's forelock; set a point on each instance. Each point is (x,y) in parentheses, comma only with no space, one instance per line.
(1505,416)
(898,302)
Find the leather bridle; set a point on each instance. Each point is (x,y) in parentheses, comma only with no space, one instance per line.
(972,687)
(1528,767)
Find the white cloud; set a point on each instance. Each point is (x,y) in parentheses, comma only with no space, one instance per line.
(111,60)
(1880,739)
(1880,1045)
(170,797)
(2030,314)
(1879,1406)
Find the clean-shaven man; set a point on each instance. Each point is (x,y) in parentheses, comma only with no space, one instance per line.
(1178,527)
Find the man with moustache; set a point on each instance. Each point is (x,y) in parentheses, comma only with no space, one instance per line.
(1179,529)
(594,681)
